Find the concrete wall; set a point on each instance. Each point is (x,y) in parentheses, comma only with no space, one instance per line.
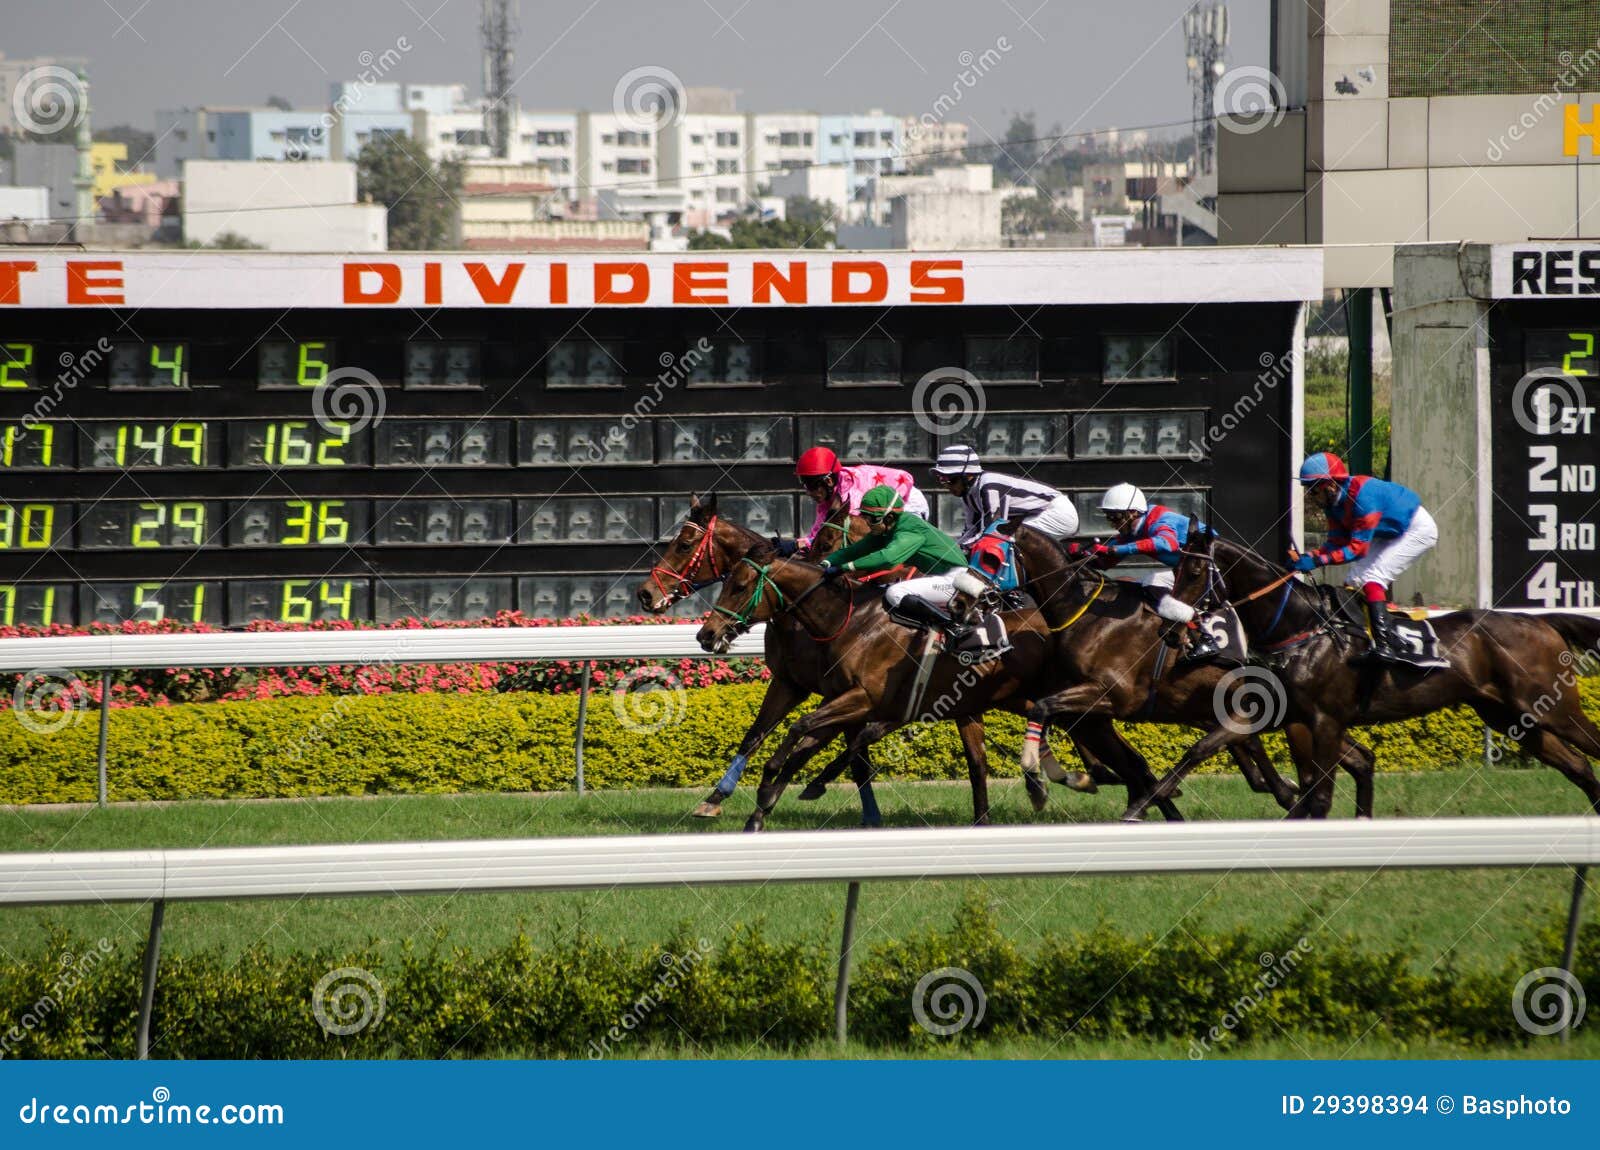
(1439,434)
(291,207)
(29,204)
(52,166)
(945,220)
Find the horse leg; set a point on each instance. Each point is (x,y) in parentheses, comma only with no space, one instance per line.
(1327,746)
(805,739)
(1300,748)
(1098,735)
(1207,745)
(1559,740)
(971,731)
(1359,763)
(782,697)
(818,786)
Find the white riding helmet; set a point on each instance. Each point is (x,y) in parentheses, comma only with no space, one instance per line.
(1124,497)
(958,459)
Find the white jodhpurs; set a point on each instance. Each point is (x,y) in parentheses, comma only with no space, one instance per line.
(1387,558)
(1170,609)
(1059,520)
(917,504)
(935,589)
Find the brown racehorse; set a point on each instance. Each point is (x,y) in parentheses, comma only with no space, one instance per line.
(762,588)
(702,552)
(1516,671)
(1108,643)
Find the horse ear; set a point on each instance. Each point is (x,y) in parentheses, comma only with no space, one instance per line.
(701,510)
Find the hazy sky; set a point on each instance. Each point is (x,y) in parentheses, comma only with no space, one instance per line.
(1081,65)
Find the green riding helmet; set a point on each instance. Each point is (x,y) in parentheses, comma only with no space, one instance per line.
(881,502)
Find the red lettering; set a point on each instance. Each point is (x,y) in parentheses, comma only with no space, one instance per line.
(11,279)
(605,280)
(432,286)
(690,282)
(490,291)
(387,291)
(937,289)
(877,289)
(767,277)
(84,287)
(558,283)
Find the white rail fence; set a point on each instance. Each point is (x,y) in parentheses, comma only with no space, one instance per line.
(375,647)
(604,863)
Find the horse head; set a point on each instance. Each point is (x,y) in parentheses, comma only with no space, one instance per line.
(692,559)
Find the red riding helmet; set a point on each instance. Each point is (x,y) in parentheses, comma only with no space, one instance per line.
(817,461)
(1323,465)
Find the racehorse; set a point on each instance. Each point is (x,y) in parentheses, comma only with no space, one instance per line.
(761,589)
(1516,671)
(702,553)
(1092,617)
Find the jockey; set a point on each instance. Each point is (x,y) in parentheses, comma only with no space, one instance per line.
(1379,527)
(990,496)
(832,486)
(898,538)
(1160,533)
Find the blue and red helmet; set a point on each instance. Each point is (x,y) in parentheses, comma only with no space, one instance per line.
(1323,465)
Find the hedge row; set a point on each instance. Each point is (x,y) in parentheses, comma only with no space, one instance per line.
(389,744)
(586,998)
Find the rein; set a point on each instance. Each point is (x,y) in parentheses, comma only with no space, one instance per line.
(1087,603)
(681,586)
(743,617)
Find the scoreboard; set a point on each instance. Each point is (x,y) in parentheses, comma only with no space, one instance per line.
(229,437)
(1495,399)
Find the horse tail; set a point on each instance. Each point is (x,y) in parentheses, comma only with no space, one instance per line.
(1578,630)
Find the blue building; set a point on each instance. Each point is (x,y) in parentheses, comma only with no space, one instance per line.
(868,145)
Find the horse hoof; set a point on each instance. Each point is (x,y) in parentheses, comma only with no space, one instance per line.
(707,810)
(1039,799)
(1132,819)
(871,824)
(813,791)
(1080,781)
(752,825)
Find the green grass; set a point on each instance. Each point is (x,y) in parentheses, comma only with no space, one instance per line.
(1483,915)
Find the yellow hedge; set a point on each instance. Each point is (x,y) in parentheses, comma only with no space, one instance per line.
(516,742)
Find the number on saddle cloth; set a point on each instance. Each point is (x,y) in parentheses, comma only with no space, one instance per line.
(1225,630)
(1416,635)
(994,556)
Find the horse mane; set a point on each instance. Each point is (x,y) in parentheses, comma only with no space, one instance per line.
(1231,554)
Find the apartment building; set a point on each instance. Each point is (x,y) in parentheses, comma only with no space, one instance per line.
(707,156)
(613,151)
(868,145)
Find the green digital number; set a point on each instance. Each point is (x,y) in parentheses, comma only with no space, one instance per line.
(189,517)
(190,437)
(152,604)
(172,365)
(289,445)
(327,450)
(29,527)
(311,371)
(318,516)
(341,600)
(299,608)
(14,372)
(13,437)
(1586,340)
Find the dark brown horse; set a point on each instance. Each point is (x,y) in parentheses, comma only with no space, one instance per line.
(1516,671)
(705,548)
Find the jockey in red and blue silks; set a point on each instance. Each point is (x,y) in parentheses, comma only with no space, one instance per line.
(1381,528)
(1159,533)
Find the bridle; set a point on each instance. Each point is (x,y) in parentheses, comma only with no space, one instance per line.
(1286,581)
(744,617)
(680,586)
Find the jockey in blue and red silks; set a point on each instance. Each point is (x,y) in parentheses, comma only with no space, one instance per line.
(1381,528)
(1158,533)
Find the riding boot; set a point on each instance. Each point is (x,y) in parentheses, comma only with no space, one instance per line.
(1385,647)
(1201,646)
(919,613)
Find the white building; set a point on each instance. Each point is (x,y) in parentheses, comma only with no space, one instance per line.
(934,141)
(613,151)
(282,207)
(781,142)
(881,191)
(14,75)
(945,220)
(705,155)
(663,208)
(550,139)
(825,183)
(31,205)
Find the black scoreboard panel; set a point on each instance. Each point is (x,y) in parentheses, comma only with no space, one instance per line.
(1545,386)
(170,464)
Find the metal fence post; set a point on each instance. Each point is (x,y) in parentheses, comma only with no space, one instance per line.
(841,990)
(152,959)
(105,731)
(583,717)
(1569,951)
